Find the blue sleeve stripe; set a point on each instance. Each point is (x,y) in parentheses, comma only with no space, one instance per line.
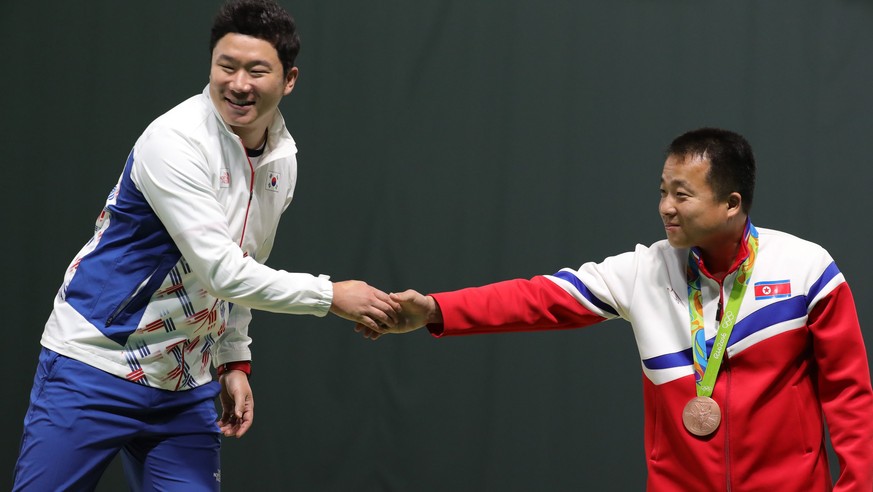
(569,277)
(668,361)
(830,272)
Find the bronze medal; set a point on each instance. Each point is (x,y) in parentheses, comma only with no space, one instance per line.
(701,416)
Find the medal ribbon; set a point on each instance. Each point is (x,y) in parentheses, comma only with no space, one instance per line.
(706,368)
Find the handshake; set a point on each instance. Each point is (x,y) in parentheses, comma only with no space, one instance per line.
(377,313)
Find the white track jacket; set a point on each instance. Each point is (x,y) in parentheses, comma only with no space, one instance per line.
(166,284)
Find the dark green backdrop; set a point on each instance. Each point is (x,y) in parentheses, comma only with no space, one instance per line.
(443,144)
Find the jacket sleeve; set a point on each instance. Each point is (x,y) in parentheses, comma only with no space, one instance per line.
(233,344)
(844,386)
(571,298)
(173,176)
(512,305)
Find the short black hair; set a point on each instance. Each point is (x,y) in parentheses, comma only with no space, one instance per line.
(731,161)
(262,19)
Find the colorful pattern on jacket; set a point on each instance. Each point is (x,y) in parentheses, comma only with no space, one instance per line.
(165,287)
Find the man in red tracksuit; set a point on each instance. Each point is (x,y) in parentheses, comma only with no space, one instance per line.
(749,338)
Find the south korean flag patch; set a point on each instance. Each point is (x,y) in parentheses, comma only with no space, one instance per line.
(273,181)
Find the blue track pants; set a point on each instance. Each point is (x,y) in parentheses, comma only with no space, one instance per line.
(80,418)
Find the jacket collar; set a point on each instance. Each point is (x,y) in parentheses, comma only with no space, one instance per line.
(742,252)
(279,141)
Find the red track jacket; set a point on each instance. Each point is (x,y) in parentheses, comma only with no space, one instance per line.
(795,359)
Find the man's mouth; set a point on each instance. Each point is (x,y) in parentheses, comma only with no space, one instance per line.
(239,103)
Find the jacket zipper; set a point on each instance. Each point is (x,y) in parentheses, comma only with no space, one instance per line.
(727,371)
(126,302)
(251,194)
(719,313)
(727,427)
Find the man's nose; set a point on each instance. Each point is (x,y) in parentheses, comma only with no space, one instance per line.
(240,82)
(666,207)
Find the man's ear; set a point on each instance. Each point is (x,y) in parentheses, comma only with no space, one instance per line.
(735,203)
(290,80)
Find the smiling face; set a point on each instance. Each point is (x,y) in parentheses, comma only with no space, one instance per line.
(246,83)
(693,215)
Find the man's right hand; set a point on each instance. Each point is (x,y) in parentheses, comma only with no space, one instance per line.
(367,306)
(416,311)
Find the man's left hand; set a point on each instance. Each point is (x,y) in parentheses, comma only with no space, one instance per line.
(237,404)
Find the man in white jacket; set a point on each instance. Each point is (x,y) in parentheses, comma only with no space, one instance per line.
(164,289)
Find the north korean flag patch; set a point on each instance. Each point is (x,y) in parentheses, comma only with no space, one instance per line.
(772,289)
